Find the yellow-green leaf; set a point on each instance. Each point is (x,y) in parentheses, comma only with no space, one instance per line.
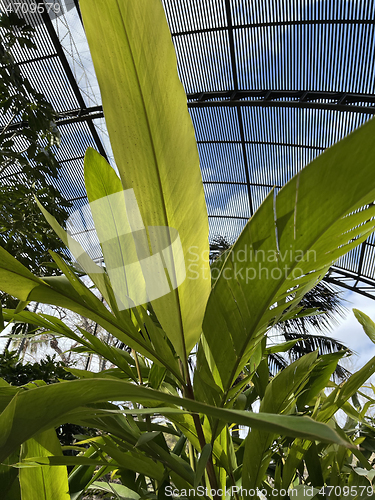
(49,405)
(288,246)
(153,143)
(367,324)
(43,482)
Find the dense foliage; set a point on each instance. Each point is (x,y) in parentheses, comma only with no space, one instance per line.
(48,370)
(16,373)
(307,333)
(27,161)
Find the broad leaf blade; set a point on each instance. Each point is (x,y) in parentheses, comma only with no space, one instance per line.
(367,324)
(153,143)
(280,395)
(330,406)
(9,480)
(114,215)
(288,246)
(122,492)
(202,462)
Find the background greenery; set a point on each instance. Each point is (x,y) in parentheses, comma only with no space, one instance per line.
(27,160)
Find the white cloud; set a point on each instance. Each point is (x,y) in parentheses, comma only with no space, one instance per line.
(351,333)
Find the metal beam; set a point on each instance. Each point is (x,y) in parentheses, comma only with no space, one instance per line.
(360,263)
(66,117)
(37,59)
(227,217)
(315,22)
(236,183)
(338,101)
(239,112)
(80,115)
(351,281)
(265,98)
(265,143)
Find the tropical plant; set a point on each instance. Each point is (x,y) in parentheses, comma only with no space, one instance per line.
(165,427)
(325,299)
(28,139)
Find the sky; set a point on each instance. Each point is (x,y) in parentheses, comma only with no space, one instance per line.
(350,332)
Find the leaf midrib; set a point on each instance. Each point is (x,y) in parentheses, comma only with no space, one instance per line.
(157,169)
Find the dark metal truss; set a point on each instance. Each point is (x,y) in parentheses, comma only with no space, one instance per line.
(337,101)
(273,24)
(74,85)
(55,53)
(69,117)
(351,281)
(302,99)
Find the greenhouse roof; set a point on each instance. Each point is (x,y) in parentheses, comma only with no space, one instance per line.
(269,86)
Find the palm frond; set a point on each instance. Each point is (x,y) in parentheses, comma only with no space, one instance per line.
(327,299)
(276,363)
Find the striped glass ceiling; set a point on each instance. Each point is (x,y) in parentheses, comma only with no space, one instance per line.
(269,86)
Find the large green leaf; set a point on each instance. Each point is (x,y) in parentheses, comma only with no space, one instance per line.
(15,279)
(297,235)
(131,460)
(344,391)
(91,343)
(114,216)
(121,492)
(319,378)
(44,482)
(33,410)
(127,436)
(83,475)
(95,272)
(153,143)
(6,396)
(10,486)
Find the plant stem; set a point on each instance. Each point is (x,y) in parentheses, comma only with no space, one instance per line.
(189,393)
(234,484)
(4,129)
(138,367)
(191,456)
